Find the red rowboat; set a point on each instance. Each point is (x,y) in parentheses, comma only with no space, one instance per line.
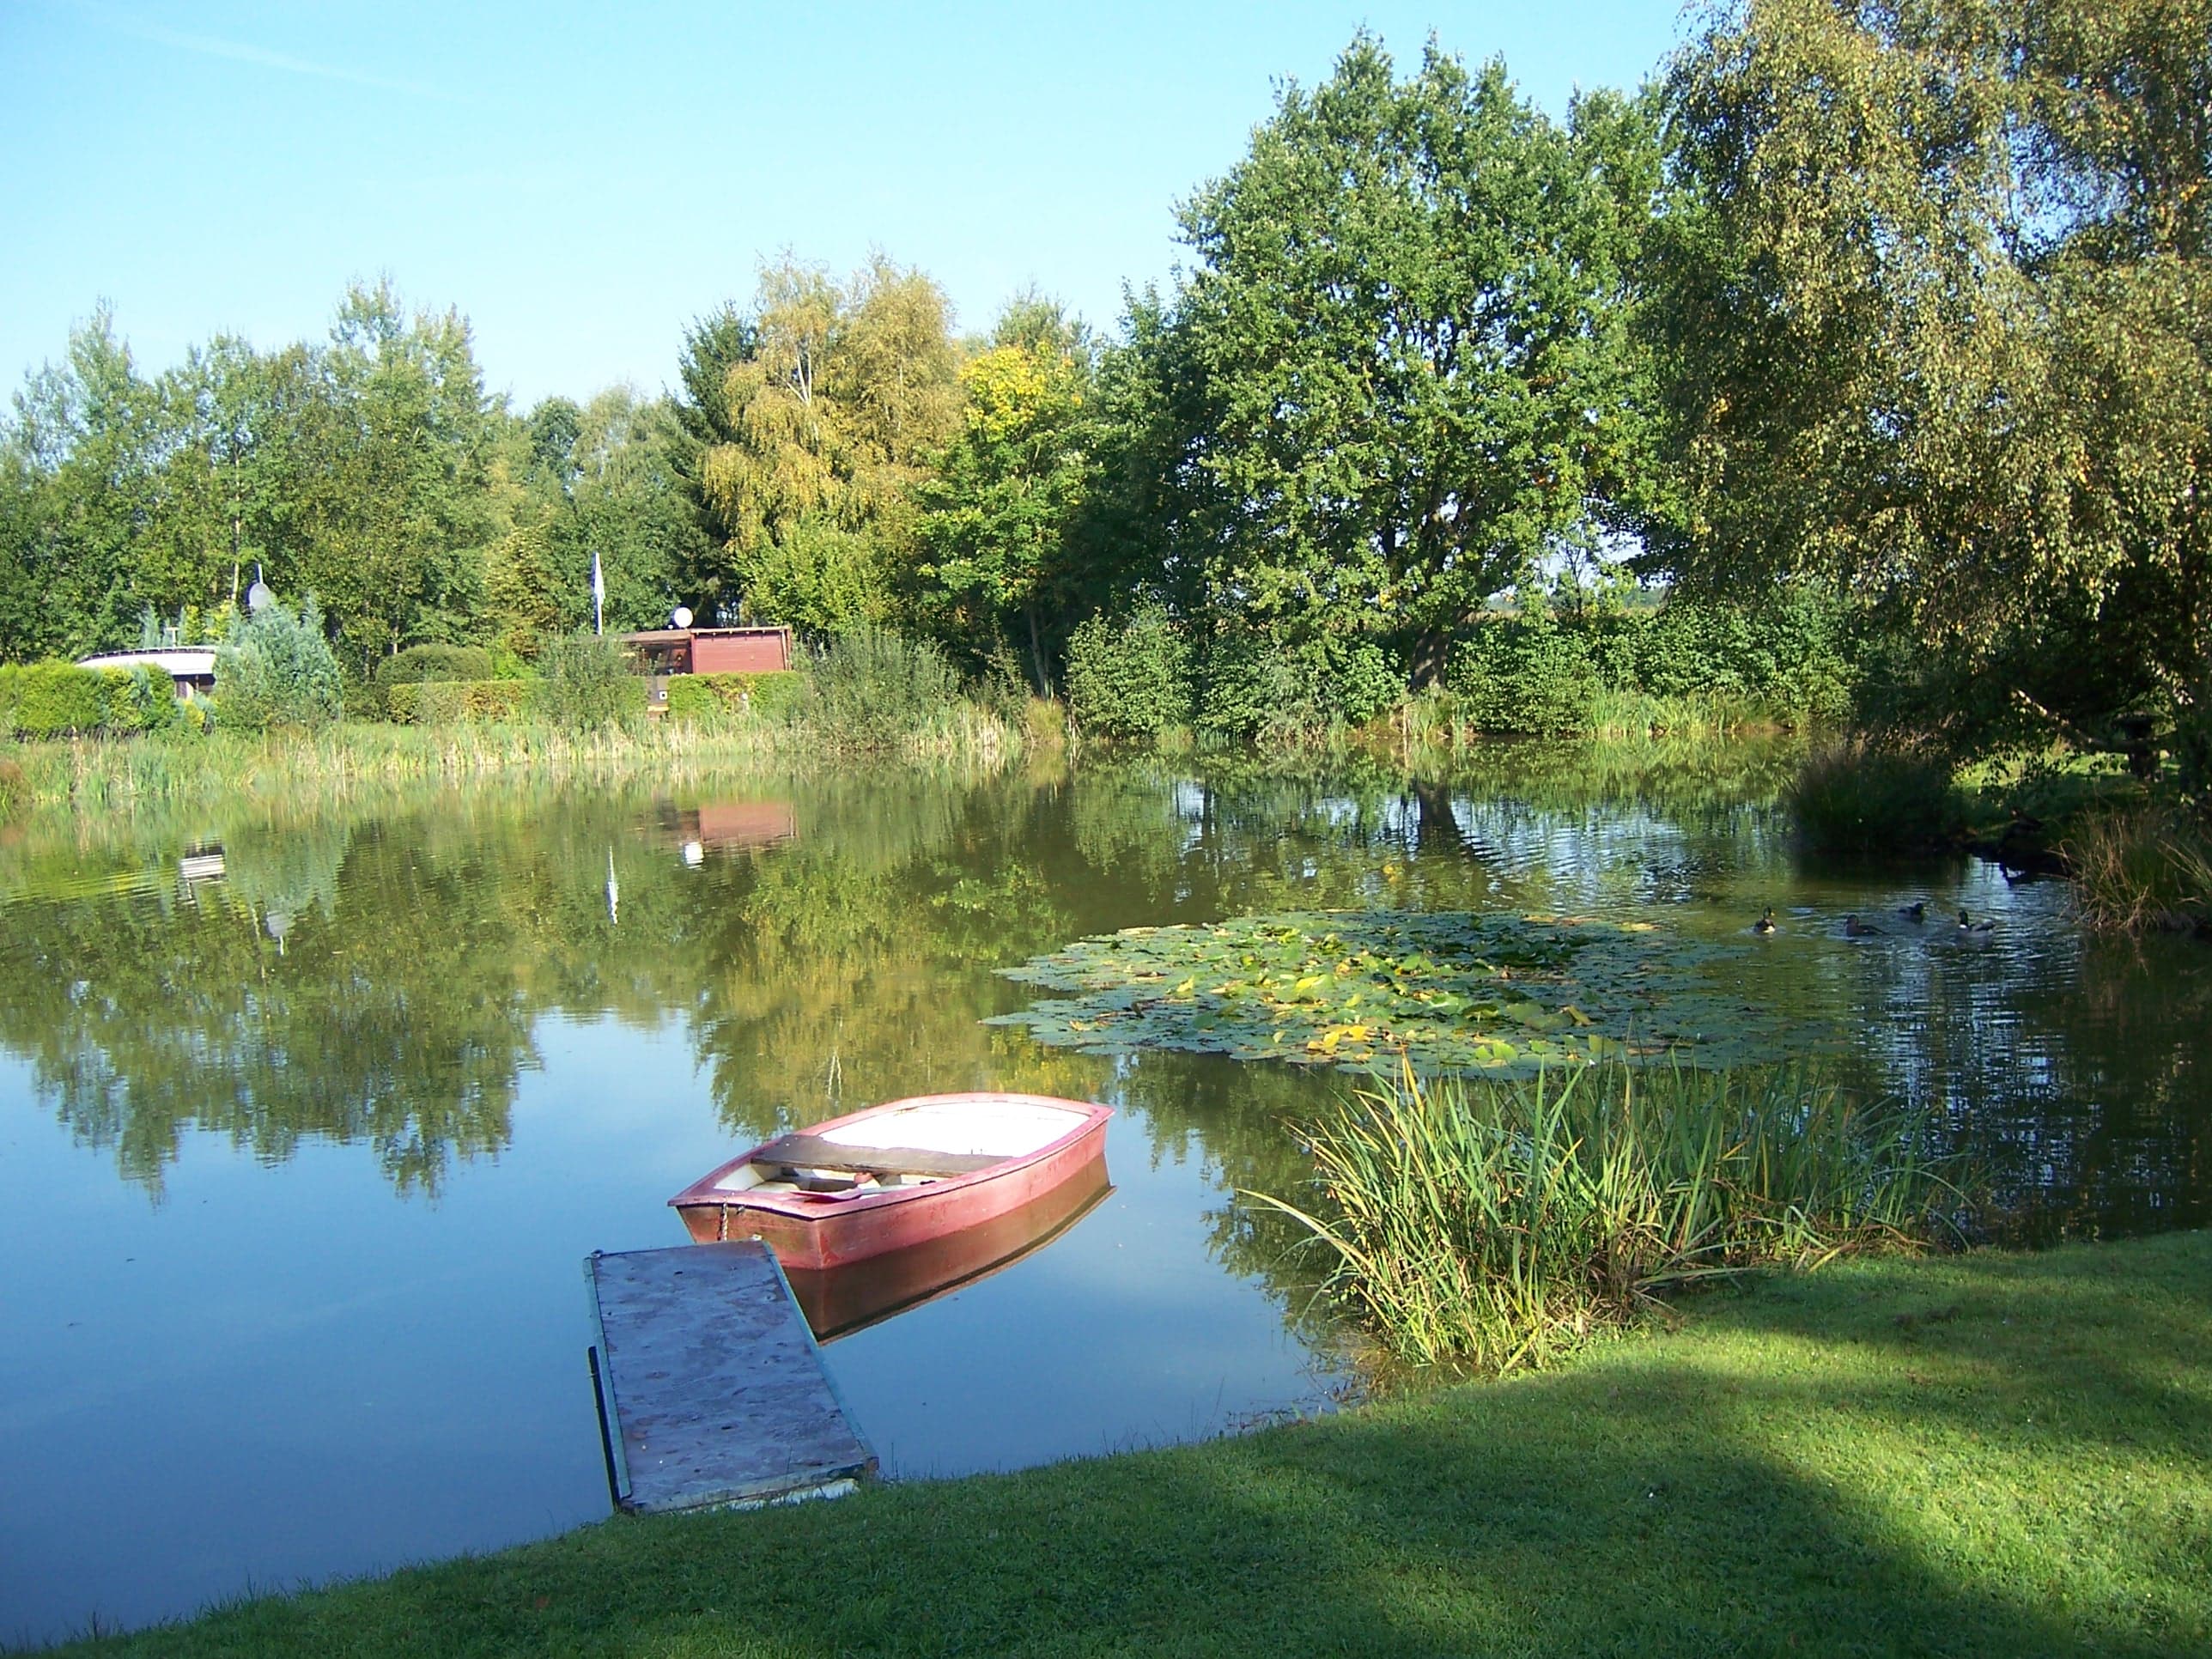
(838,1301)
(894,1175)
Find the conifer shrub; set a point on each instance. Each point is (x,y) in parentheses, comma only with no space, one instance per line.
(1131,678)
(275,668)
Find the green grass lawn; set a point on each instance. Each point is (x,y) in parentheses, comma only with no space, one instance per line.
(2004,1455)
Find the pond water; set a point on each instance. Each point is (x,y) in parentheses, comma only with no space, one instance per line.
(308,1120)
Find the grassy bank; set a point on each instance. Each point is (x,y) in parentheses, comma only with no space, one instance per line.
(1970,1454)
(97,774)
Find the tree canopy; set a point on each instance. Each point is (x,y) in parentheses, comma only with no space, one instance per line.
(1407,309)
(1930,303)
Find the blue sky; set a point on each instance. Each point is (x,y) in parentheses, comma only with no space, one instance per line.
(582,182)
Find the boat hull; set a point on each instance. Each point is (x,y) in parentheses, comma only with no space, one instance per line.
(811,1232)
(839,1301)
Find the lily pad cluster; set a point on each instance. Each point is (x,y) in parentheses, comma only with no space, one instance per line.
(1447,990)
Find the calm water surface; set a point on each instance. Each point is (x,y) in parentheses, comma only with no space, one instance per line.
(303,1145)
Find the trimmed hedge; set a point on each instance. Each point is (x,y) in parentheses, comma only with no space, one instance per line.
(59,699)
(419,664)
(715,697)
(457,702)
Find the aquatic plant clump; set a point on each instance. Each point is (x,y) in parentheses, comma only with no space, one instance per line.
(1503,1223)
(1442,993)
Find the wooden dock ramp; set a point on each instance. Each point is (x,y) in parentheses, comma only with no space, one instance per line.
(711,1389)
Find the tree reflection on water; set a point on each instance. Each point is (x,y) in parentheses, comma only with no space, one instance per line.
(375,974)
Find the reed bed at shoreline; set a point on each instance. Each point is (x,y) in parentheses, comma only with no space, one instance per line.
(1503,1223)
(98,775)
(2145,870)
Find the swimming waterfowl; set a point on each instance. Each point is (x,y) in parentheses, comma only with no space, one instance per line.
(1765,923)
(1967,925)
(1916,911)
(1854,928)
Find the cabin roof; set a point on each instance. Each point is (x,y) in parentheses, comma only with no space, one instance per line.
(186,662)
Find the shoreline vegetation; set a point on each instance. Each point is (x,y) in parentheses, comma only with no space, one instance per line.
(1990,1453)
(1497,1225)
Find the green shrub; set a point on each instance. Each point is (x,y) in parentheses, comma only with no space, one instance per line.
(1788,650)
(696,697)
(1250,688)
(1528,674)
(55,699)
(420,663)
(14,788)
(585,683)
(1859,796)
(1131,678)
(1359,681)
(459,702)
(870,688)
(11,691)
(136,700)
(276,669)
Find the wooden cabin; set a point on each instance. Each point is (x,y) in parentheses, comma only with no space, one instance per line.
(663,651)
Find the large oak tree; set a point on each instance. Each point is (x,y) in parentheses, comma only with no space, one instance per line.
(1406,310)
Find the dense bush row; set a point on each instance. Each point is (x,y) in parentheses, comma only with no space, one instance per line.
(709,697)
(1545,668)
(59,699)
(455,703)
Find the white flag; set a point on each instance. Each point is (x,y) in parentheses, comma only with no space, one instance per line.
(598,592)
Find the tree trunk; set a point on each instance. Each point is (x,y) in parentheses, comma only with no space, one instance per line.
(1431,647)
(1036,653)
(1436,830)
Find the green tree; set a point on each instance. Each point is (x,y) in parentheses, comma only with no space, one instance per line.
(1408,308)
(996,515)
(388,510)
(82,474)
(1932,308)
(802,459)
(631,509)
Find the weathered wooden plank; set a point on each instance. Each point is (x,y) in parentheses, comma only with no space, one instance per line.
(814,1152)
(712,1386)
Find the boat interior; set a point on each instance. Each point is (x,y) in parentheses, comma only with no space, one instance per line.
(931,1141)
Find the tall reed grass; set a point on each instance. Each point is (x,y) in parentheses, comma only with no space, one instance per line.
(1502,1222)
(2142,871)
(1854,796)
(102,775)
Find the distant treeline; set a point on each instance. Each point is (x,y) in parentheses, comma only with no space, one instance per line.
(1899,313)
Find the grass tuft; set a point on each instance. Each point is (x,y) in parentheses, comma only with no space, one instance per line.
(2142,871)
(1503,1223)
(1856,796)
